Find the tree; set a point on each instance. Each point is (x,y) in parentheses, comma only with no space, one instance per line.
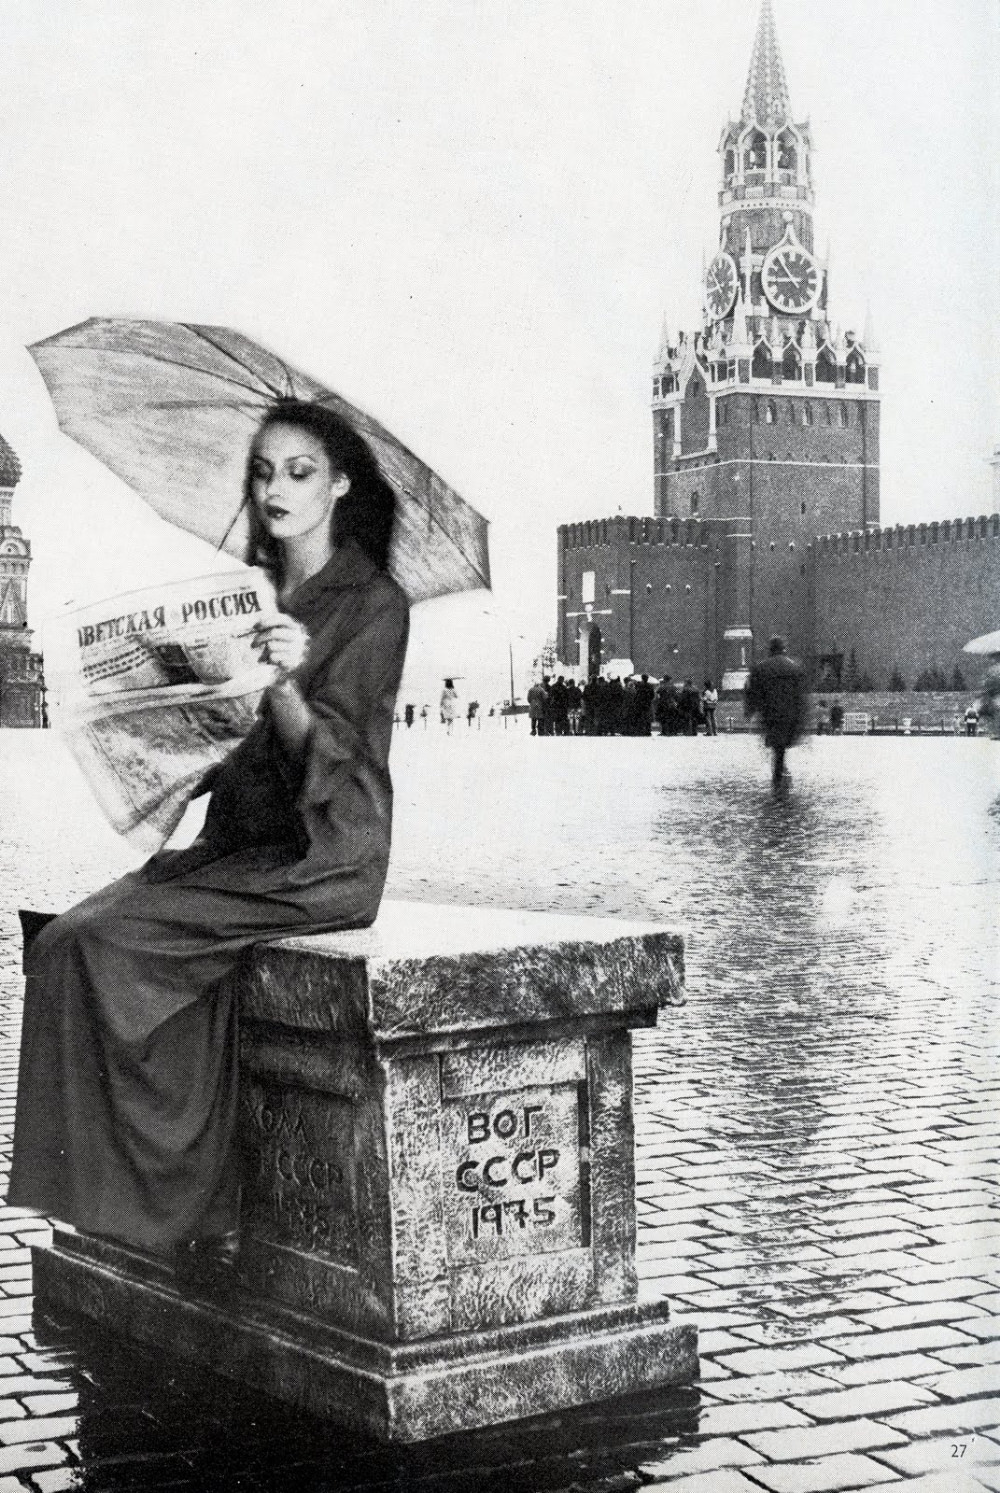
(852,674)
(958,680)
(924,681)
(866,683)
(545,662)
(897,683)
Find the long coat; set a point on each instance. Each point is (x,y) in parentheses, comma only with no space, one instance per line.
(127,1089)
(776,691)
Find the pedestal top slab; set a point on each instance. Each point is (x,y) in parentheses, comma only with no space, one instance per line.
(433,968)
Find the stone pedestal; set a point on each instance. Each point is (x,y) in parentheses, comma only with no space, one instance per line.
(438,1226)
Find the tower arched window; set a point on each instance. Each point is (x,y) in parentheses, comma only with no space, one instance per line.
(855,371)
(762,366)
(792,412)
(788,155)
(730,164)
(758,411)
(826,367)
(694,502)
(791,363)
(755,153)
(771,413)
(843,417)
(807,413)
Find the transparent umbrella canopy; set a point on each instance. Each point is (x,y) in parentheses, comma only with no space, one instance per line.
(171,409)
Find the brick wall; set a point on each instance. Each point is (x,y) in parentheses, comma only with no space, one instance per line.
(908,598)
(655,593)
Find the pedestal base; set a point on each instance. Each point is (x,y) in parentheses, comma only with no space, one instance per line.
(398,1393)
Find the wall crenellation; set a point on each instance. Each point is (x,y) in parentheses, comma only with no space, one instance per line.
(909,536)
(676,532)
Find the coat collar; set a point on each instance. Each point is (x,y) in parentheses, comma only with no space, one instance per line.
(347,568)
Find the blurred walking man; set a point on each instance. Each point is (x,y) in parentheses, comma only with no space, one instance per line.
(776,691)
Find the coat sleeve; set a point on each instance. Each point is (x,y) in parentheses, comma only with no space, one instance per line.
(356,676)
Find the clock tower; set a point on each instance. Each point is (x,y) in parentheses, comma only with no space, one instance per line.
(766,418)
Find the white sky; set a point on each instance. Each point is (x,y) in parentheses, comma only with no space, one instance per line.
(470,218)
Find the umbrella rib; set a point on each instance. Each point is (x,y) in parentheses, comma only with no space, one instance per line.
(439,526)
(200,332)
(211,373)
(232,523)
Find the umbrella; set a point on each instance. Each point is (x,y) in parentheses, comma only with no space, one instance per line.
(171,409)
(988,643)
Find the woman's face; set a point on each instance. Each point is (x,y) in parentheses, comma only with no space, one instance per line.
(293,487)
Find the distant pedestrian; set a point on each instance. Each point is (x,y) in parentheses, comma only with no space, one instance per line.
(537,698)
(423,715)
(470,711)
(616,706)
(988,704)
(408,715)
(548,718)
(449,705)
(591,703)
(690,707)
(822,719)
(709,703)
(776,691)
(559,707)
(574,697)
(836,718)
(665,709)
(971,721)
(645,693)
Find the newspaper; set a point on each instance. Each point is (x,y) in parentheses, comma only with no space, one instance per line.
(156,687)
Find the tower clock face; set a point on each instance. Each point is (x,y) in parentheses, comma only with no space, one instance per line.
(720,286)
(791,278)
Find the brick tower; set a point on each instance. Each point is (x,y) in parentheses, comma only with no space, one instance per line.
(766,419)
(21,688)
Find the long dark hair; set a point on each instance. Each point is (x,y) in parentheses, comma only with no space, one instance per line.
(365,513)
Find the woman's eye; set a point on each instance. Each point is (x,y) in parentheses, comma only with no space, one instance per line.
(259,472)
(300,474)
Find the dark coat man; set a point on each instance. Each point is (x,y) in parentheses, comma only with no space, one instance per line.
(690,707)
(559,706)
(644,693)
(776,691)
(537,698)
(665,707)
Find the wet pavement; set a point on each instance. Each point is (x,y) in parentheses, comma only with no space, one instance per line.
(816,1128)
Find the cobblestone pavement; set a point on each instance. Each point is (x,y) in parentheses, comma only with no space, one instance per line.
(816,1129)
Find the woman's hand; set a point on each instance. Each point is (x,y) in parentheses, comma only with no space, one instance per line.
(283,643)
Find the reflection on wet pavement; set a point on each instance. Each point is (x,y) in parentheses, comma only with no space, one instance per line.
(816,1128)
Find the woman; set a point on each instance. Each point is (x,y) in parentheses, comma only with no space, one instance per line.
(127,1092)
(449,704)
(709,703)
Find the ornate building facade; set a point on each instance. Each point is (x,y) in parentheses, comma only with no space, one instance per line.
(22,688)
(765,438)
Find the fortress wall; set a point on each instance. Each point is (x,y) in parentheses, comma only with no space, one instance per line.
(655,590)
(909,597)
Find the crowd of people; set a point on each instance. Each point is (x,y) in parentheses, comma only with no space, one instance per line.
(617,707)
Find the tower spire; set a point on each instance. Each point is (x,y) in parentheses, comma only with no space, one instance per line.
(766,96)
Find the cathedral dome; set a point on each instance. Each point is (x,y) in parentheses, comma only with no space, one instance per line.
(10,467)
